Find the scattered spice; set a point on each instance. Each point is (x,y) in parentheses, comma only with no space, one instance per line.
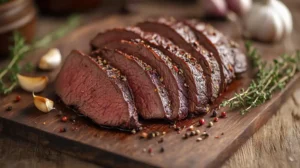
(222,133)
(18,98)
(192,133)
(9,108)
(144,150)
(205,134)
(217,137)
(185,136)
(61,130)
(73,118)
(164,133)
(161,140)
(144,135)
(44,123)
(191,128)
(150,150)
(199,139)
(216,119)
(64,119)
(162,149)
(210,124)
(214,113)
(60,113)
(223,114)
(133,131)
(198,132)
(201,121)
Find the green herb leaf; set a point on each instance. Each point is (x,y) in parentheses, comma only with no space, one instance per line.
(269,78)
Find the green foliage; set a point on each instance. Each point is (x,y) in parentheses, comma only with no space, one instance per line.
(269,78)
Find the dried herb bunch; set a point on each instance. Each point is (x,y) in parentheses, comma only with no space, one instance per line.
(269,78)
(20,49)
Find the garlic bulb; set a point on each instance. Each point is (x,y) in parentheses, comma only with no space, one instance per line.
(240,7)
(50,60)
(269,21)
(215,8)
(43,104)
(32,84)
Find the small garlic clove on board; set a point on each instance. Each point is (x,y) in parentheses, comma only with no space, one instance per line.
(32,84)
(43,104)
(50,60)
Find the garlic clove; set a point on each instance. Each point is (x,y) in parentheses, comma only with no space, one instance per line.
(50,60)
(43,104)
(285,15)
(215,8)
(32,84)
(240,7)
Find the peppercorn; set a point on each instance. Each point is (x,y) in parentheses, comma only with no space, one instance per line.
(201,121)
(199,139)
(144,135)
(18,98)
(62,130)
(214,113)
(185,136)
(157,133)
(150,150)
(9,108)
(162,149)
(216,119)
(191,128)
(222,133)
(161,140)
(223,114)
(133,131)
(210,124)
(193,133)
(64,119)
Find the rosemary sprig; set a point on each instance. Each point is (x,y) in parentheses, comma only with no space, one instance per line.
(269,78)
(20,49)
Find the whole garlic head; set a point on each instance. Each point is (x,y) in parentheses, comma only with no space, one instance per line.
(268,22)
(50,60)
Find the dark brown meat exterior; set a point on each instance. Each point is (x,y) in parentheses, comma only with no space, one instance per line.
(192,71)
(170,74)
(219,44)
(151,97)
(98,92)
(183,36)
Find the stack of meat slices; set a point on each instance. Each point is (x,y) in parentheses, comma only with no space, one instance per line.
(159,69)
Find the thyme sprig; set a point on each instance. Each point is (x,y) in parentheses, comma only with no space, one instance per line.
(268,79)
(20,49)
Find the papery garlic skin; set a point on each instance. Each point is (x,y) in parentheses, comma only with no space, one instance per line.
(43,104)
(32,84)
(266,21)
(215,8)
(51,60)
(240,7)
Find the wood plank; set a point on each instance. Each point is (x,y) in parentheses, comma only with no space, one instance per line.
(119,149)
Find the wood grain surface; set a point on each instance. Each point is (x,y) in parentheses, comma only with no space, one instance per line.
(62,160)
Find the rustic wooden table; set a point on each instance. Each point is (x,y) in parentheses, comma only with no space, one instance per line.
(277,144)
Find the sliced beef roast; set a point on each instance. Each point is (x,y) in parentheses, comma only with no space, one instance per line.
(195,79)
(218,44)
(183,36)
(151,97)
(170,74)
(98,92)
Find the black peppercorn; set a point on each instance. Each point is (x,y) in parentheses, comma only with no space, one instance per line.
(9,108)
(214,113)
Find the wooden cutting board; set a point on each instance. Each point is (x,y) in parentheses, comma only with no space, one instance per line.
(113,148)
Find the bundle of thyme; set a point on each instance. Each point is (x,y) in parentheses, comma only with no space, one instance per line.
(269,78)
(20,49)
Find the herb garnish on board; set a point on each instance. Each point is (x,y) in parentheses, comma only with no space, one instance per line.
(20,49)
(269,78)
